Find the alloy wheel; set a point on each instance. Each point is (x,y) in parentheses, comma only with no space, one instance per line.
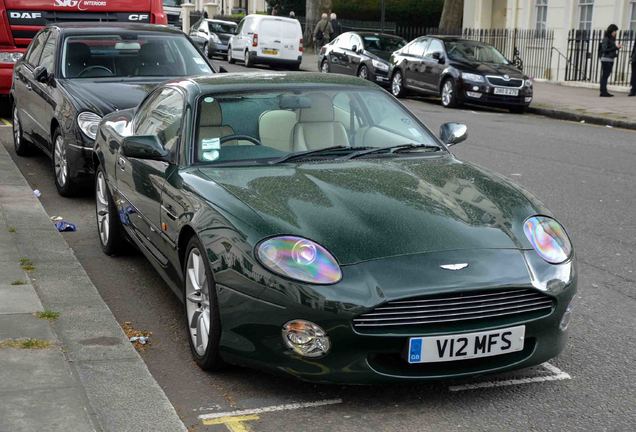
(103,216)
(363,73)
(447,93)
(16,129)
(324,67)
(59,159)
(197,301)
(396,84)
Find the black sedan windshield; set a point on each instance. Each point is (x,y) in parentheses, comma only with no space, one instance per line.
(474,52)
(382,43)
(125,55)
(266,126)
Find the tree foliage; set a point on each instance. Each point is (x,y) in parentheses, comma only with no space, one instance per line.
(452,15)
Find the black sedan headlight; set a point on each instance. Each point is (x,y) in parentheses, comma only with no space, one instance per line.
(476,78)
(88,123)
(380,65)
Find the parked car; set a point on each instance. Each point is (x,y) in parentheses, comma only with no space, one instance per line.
(363,54)
(263,39)
(460,71)
(212,36)
(313,226)
(74,74)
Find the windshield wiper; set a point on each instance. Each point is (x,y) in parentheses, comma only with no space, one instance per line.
(317,152)
(390,150)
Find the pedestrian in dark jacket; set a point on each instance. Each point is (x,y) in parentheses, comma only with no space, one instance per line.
(633,90)
(322,32)
(609,52)
(335,24)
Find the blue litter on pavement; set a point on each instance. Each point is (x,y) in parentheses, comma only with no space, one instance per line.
(65,226)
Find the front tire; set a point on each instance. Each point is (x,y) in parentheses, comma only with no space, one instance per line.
(449,94)
(109,229)
(230,59)
(201,306)
(21,146)
(324,66)
(397,85)
(363,72)
(247,61)
(65,184)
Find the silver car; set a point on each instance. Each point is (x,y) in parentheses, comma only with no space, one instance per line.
(212,35)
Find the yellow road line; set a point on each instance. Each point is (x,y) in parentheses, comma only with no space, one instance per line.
(232,423)
(5,122)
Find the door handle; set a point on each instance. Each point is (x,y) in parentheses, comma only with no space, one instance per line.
(121,163)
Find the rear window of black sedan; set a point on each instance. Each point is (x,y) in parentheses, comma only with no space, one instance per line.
(131,55)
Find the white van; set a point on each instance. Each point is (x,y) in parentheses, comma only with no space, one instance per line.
(267,39)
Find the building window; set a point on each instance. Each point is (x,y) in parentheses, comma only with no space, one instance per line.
(542,15)
(632,17)
(586,7)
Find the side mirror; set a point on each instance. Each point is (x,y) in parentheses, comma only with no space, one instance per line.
(438,56)
(144,147)
(354,48)
(40,74)
(453,133)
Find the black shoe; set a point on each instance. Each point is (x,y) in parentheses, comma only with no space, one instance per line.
(632,94)
(607,95)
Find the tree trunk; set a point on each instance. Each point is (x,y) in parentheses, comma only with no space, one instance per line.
(452,16)
(314,8)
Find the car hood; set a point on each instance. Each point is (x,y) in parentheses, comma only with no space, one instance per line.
(379,55)
(103,97)
(369,209)
(490,69)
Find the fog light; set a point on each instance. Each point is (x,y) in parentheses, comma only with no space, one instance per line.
(306,338)
(473,94)
(528,99)
(567,316)
(476,88)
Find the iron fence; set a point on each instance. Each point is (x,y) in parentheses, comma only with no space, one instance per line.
(530,50)
(583,56)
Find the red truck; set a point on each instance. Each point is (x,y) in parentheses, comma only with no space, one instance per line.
(20,20)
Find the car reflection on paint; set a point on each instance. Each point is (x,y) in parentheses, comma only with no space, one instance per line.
(314,227)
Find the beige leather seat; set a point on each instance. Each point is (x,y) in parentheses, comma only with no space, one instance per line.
(275,129)
(317,127)
(211,123)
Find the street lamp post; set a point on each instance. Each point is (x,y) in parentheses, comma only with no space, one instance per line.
(382,9)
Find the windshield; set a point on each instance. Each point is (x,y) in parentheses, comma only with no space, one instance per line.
(216,27)
(382,43)
(172,3)
(474,52)
(131,55)
(265,126)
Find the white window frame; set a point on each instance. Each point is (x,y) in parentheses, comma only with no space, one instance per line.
(541,15)
(585,5)
(631,18)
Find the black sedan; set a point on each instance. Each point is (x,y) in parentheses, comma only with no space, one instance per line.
(74,74)
(212,36)
(460,71)
(360,53)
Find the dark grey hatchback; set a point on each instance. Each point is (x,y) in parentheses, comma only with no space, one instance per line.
(459,71)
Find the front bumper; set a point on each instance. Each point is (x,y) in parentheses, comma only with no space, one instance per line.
(252,324)
(218,48)
(484,94)
(79,154)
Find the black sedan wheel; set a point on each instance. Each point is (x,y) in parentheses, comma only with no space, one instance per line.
(63,181)
(449,94)
(397,84)
(22,147)
(324,66)
(363,72)
(230,59)
(202,311)
(111,234)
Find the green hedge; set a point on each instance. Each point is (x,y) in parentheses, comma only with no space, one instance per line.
(414,12)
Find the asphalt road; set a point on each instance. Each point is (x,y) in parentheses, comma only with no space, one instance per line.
(584,173)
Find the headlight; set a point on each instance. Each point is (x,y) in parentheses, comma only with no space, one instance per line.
(528,83)
(548,238)
(215,38)
(380,65)
(10,57)
(472,77)
(300,259)
(88,123)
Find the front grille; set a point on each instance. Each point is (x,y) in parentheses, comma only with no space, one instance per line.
(453,308)
(500,82)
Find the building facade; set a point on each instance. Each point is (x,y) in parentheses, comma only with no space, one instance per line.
(561,16)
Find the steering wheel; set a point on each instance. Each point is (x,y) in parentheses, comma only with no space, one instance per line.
(241,138)
(96,67)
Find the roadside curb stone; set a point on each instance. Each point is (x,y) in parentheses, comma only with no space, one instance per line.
(90,378)
(578,117)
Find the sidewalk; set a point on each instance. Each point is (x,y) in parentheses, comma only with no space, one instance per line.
(583,104)
(69,368)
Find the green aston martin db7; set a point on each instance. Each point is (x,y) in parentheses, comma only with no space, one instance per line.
(313,226)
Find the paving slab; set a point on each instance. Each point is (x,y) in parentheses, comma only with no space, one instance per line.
(25,326)
(29,369)
(49,410)
(17,299)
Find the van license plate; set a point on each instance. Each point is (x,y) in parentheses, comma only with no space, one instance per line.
(270,51)
(466,346)
(506,91)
